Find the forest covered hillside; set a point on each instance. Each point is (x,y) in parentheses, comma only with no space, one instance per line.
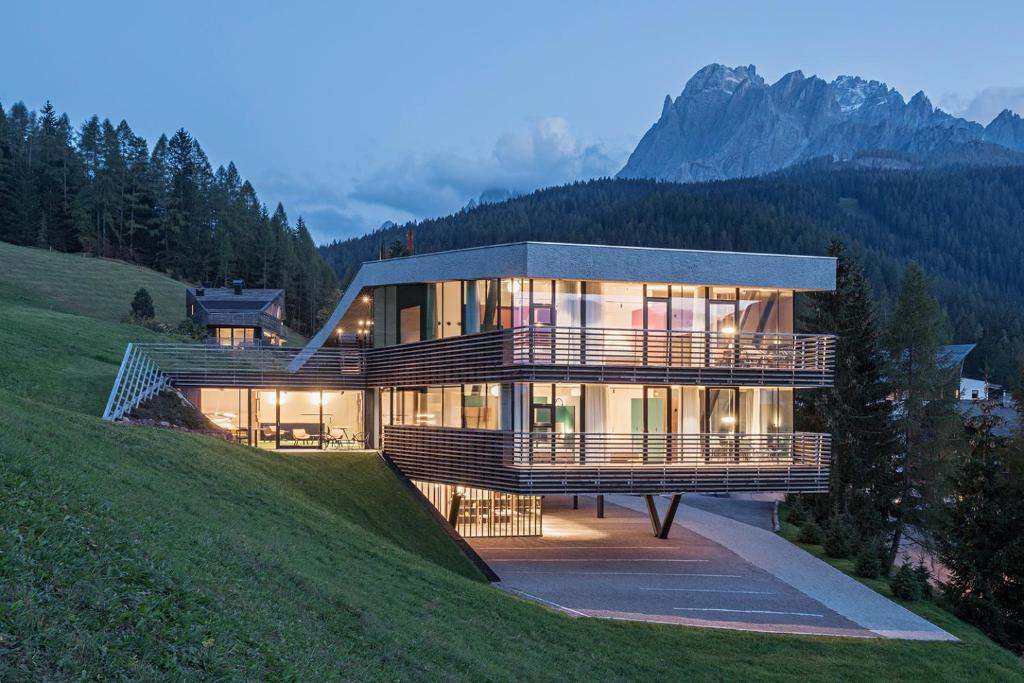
(100,189)
(964,225)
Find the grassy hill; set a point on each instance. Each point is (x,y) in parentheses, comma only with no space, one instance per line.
(135,553)
(92,287)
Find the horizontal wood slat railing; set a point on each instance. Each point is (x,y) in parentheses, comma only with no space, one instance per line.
(604,355)
(210,365)
(243,319)
(545,463)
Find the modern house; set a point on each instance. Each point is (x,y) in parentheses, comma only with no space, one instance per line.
(494,376)
(237,315)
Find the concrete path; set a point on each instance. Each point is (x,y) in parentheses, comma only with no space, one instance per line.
(710,572)
(755,510)
(804,572)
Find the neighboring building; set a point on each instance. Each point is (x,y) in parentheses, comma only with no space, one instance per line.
(494,376)
(238,316)
(975,389)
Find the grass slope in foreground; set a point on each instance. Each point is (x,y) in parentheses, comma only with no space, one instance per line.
(136,553)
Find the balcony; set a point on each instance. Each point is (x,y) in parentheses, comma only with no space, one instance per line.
(243,319)
(544,463)
(572,354)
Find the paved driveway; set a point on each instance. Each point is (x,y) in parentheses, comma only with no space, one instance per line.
(615,568)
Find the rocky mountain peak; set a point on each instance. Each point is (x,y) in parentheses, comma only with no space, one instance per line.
(718,77)
(729,123)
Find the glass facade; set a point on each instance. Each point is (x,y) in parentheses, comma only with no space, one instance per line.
(473,406)
(569,409)
(234,336)
(417,312)
(270,418)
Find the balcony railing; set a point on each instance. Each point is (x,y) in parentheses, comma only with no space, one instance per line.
(544,463)
(574,354)
(242,319)
(211,365)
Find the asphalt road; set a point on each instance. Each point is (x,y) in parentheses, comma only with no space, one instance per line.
(615,568)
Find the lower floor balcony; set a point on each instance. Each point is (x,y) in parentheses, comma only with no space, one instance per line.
(539,463)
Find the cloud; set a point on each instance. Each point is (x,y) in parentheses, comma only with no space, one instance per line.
(546,153)
(325,208)
(986,104)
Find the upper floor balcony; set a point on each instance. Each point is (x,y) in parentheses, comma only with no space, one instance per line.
(575,354)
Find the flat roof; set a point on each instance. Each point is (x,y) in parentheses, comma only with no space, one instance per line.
(607,262)
(586,262)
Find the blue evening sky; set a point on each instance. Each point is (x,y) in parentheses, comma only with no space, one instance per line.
(355,113)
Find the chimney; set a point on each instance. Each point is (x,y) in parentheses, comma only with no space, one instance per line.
(238,285)
(200,291)
(408,241)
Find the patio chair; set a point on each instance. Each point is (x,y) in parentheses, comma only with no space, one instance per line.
(301,435)
(268,433)
(359,439)
(337,436)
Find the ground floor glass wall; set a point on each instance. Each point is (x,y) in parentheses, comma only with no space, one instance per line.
(272,418)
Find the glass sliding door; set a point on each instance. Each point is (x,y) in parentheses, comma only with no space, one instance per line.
(722,324)
(656,322)
(569,319)
(299,424)
(689,310)
(657,406)
(722,423)
(342,419)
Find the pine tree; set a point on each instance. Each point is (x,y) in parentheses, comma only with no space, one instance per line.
(856,410)
(925,416)
(982,543)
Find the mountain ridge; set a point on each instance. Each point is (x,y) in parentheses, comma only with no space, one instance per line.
(728,122)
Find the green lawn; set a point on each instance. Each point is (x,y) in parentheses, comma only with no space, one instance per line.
(135,553)
(95,287)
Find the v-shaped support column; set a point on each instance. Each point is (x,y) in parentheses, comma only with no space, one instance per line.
(662,527)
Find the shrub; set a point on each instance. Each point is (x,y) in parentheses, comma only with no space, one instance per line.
(923,577)
(869,562)
(905,583)
(797,514)
(810,532)
(191,329)
(142,306)
(840,537)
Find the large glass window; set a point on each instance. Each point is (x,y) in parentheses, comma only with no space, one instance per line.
(299,413)
(767,410)
(688,308)
(615,305)
(265,423)
(235,336)
(452,406)
(450,300)
(481,405)
(343,418)
(722,411)
(764,311)
(228,409)
(568,303)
